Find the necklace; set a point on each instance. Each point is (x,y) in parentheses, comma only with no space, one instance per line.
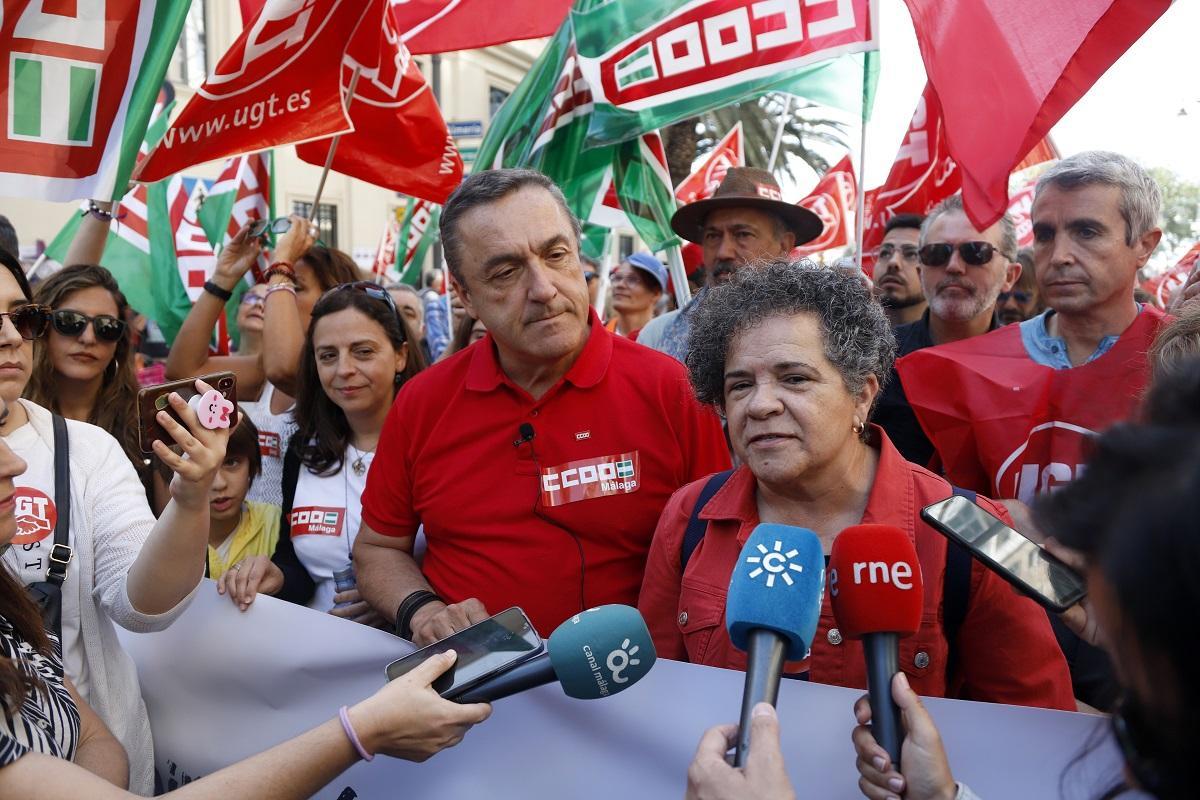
(358,465)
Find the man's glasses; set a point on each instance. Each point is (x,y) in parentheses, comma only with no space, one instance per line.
(1019,296)
(908,252)
(376,292)
(974,253)
(73,323)
(30,321)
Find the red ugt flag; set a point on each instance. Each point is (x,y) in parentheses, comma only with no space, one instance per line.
(277,85)
(439,26)
(400,140)
(831,200)
(1007,70)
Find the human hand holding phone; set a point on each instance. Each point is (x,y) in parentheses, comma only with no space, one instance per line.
(203,451)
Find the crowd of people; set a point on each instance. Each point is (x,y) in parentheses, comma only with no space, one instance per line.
(417,466)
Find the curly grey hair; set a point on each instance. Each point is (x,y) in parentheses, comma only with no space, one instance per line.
(1141,199)
(858,338)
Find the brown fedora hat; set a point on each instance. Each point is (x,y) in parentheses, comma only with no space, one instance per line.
(747,187)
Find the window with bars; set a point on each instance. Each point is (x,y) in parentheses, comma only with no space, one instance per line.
(496,98)
(326,221)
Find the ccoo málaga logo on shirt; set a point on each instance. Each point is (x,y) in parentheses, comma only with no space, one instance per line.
(36,515)
(268,444)
(591,477)
(317,520)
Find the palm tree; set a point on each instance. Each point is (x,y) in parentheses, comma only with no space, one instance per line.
(806,124)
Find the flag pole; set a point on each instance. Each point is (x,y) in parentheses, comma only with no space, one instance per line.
(861,200)
(683,292)
(787,109)
(312,214)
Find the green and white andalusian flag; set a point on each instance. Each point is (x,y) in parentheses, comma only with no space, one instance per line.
(544,123)
(649,65)
(78,81)
(418,231)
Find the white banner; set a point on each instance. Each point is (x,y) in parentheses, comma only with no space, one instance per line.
(221,686)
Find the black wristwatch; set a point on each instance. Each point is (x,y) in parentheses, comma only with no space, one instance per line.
(224,295)
(408,608)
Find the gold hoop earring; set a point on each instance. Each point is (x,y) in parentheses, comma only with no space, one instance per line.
(858,428)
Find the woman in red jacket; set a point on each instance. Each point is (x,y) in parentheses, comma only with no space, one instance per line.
(793,357)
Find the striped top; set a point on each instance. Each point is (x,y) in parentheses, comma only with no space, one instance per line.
(48,720)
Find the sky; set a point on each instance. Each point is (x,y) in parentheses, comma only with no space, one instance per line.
(1133,109)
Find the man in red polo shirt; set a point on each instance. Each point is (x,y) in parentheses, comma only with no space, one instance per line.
(538,459)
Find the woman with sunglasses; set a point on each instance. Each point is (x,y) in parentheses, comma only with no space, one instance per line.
(356,357)
(124,567)
(84,367)
(266,376)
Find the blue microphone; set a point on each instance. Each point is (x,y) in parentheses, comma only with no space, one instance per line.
(772,611)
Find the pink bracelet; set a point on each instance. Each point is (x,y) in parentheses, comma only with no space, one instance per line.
(280,287)
(352,736)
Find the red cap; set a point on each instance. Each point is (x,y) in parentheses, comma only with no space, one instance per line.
(875,581)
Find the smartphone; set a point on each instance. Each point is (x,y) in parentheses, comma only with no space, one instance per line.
(1016,558)
(486,648)
(152,399)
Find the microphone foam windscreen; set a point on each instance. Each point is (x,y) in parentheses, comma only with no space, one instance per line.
(875,581)
(601,652)
(777,584)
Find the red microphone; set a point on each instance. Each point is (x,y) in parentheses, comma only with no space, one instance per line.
(877,595)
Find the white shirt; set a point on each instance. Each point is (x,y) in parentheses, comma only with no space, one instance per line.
(274,433)
(29,555)
(325,517)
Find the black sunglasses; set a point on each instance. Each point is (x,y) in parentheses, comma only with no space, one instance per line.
(1020,297)
(73,323)
(30,320)
(377,292)
(1138,745)
(974,253)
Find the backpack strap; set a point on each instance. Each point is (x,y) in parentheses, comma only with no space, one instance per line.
(60,552)
(956,590)
(696,527)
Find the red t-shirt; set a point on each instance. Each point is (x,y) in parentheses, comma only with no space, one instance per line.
(1006,651)
(611,442)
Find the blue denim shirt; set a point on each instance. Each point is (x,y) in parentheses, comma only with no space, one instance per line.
(1051,351)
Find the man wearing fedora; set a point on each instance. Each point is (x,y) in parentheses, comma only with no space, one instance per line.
(746,220)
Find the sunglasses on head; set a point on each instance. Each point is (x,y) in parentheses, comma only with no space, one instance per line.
(73,323)
(974,253)
(30,320)
(374,291)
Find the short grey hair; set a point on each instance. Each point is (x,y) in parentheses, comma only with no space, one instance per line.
(954,203)
(858,338)
(1141,199)
(482,188)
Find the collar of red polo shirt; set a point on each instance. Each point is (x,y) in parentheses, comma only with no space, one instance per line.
(486,373)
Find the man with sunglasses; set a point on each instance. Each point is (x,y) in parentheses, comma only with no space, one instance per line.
(897,279)
(1021,303)
(962,271)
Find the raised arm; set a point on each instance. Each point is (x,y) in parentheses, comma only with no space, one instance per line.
(189,352)
(88,245)
(283,325)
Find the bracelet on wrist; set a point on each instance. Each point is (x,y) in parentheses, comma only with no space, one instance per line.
(283,268)
(224,295)
(408,609)
(100,214)
(280,287)
(344,716)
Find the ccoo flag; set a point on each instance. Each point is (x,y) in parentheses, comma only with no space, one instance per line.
(643,184)
(701,184)
(832,200)
(652,64)
(418,231)
(78,83)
